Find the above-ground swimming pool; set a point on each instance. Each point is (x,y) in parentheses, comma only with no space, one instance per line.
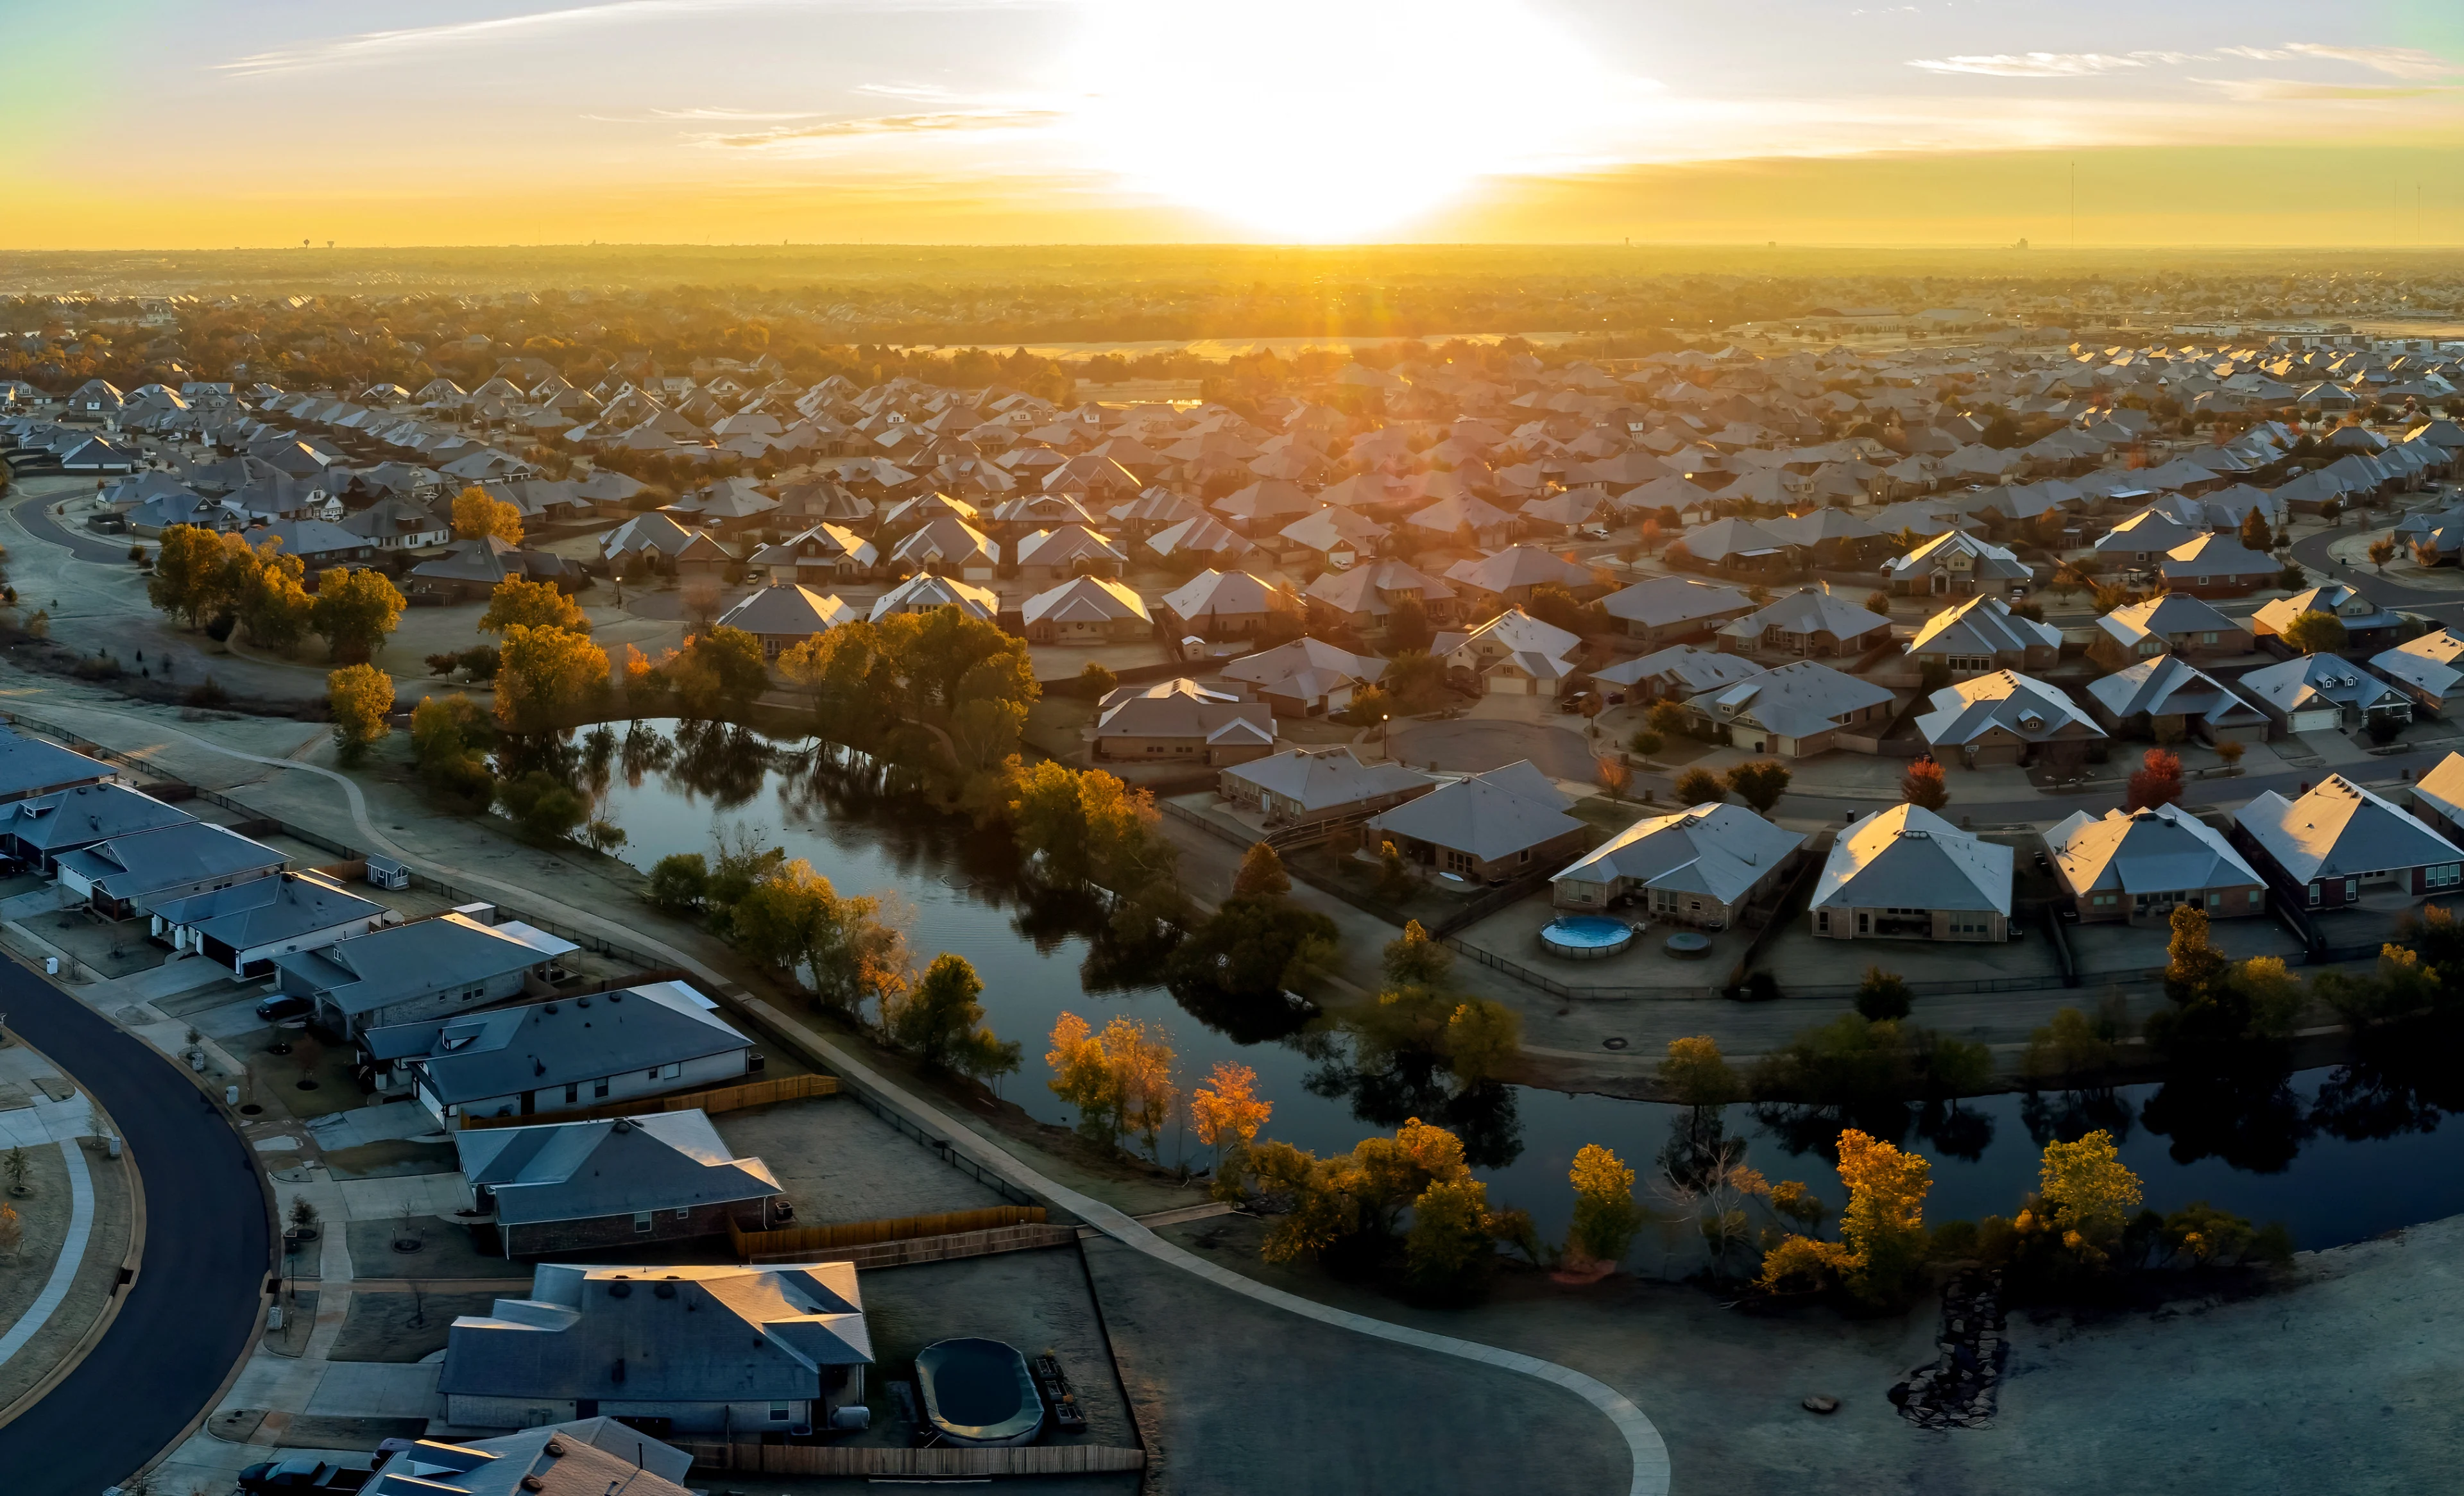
(1585,938)
(979,1392)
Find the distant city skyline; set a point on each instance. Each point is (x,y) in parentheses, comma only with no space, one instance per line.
(260,123)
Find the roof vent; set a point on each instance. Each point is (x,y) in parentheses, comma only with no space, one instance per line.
(554,1449)
(581,1002)
(619,1287)
(664,1290)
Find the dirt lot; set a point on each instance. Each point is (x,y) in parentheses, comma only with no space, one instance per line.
(839,1162)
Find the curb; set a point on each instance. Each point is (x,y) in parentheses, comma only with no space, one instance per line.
(130,1262)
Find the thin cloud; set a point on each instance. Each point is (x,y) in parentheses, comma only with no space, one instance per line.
(947,122)
(2394,61)
(749,116)
(379,47)
(2046,64)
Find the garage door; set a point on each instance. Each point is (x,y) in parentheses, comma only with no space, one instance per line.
(2317,721)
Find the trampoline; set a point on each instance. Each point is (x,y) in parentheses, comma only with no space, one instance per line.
(1585,938)
(1688,945)
(979,1392)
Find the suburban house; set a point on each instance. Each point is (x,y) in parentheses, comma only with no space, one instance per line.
(247,925)
(39,829)
(1660,608)
(1181,719)
(2138,865)
(2005,717)
(1227,604)
(1983,635)
(1906,873)
(1069,551)
(1508,578)
(1797,711)
(1956,564)
(593,1456)
(784,614)
(1486,828)
(1512,654)
(703,1349)
(949,547)
(580,1186)
(2367,625)
(2424,668)
(826,553)
(1734,544)
(2216,565)
(2339,842)
(1809,622)
(1306,677)
(2154,696)
(132,875)
(32,767)
(2145,538)
(1699,865)
(1086,610)
(421,969)
(2170,622)
(2438,797)
(924,593)
(535,1059)
(2322,693)
(1364,598)
(1678,672)
(1314,787)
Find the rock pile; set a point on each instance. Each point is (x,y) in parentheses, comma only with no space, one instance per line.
(1958,1390)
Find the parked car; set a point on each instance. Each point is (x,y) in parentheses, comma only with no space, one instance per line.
(304,1477)
(281,1006)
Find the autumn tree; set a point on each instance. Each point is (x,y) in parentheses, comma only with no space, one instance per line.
(266,590)
(2088,1194)
(1097,681)
(940,1020)
(533,605)
(2316,633)
(719,670)
(1694,1073)
(1883,995)
(189,573)
(357,697)
(2156,782)
(1760,783)
(1611,773)
(1699,787)
(1226,1113)
(1922,784)
(838,947)
(1119,1081)
(548,678)
(1413,959)
(448,739)
(356,611)
(477,515)
(1881,1231)
(2382,552)
(1262,875)
(1606,1215)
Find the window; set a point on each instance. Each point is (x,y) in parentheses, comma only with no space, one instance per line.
(778,1413)
(683,1212)
(599,1087)
(2253,895)
(1822,922)
(641,1222)
(572,1091)
(2445,875)
(672,1070)
(2314,894)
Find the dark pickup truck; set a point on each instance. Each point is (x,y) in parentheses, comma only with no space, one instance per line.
(304,1478)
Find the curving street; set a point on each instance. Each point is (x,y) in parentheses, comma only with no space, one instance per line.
(209,1248)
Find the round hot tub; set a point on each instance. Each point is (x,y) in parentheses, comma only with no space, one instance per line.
(979,1392)
(1585,938)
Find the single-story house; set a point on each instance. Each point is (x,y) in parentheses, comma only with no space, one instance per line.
(1306,677)
(1809,622)
(702,1350)
(924,592)
(785,614)
(1660,608)
(2367,625)
(2322,693)
(1908,873)
(1678,672)
(2152,693)
(824,553)
(2170,622)
(1489,827)
(2216,565)
(2138,865)
(2426,670)
(584,1186)
(1226,604)
(37,829)
(1699,865)
(131,875)
(1955,564)
(1086,610)
(1983,635)
(1510,577)
(2438,797)
(2005,717)
(1795,710)
(423,969)
(1364,598)
(247,925)
(1512,654)
(32,767)
(535,1059)
(2326,847)
(593,1457)
(1180,721)
(1310,786)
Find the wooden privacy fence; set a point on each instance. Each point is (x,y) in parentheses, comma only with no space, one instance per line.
(845,1460)
(919,1249)
(867,1233)
(726,1098)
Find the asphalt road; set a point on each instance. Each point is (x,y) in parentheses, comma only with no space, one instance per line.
(208,1251)
(35,514)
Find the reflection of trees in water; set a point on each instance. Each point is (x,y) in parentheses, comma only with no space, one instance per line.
(2069,1116)
(2238,1106)
(1803,1127)
(726,764)
(596,763)
(645,751)
(2402,1078)
(1411,1083)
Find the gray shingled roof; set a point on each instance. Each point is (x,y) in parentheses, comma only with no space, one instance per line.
(581,1171)
(540,1045)
(1907,857)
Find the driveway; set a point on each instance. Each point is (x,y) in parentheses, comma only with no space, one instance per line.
(188,1317)
(1477,746)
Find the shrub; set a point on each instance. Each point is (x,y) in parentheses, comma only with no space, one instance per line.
(1883,995)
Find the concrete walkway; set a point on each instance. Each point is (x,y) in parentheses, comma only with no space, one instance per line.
(72,1246)
(1649,1454)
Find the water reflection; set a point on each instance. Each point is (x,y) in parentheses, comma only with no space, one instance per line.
(2337,1155)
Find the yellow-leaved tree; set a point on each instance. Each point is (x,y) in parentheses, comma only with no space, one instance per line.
(478,515)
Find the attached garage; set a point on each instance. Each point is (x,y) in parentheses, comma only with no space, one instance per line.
(2315,721)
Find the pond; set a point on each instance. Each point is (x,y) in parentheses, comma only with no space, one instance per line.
(2335,1154)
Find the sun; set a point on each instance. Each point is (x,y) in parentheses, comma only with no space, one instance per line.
(1320,120)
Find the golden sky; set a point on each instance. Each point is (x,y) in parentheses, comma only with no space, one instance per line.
(260,123)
